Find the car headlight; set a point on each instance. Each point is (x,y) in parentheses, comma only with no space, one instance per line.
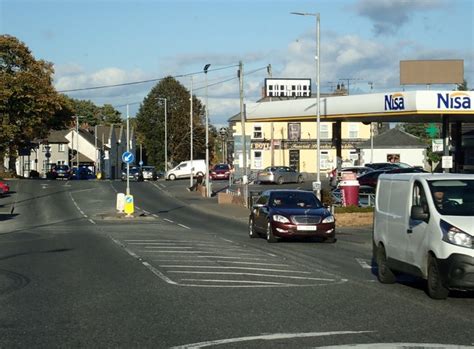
(328,219)
(455,236)
(280,218)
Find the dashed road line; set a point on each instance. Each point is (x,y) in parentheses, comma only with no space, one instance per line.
(363,263)
(184,226)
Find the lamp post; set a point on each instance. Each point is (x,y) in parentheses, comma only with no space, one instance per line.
(208,186)
(318,108)
(166,133)
(191,131)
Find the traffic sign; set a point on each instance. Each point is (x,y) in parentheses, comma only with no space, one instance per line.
(129,207)
(128,157)
(48,155)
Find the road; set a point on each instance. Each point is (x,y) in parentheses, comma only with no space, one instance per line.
(74,275)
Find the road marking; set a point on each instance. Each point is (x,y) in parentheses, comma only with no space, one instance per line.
(90,220)
(155,215)
(182,225)
(254,274)
(241,268)
(168,220)
(363,263)
(159,274)
(240,282)
(275,336)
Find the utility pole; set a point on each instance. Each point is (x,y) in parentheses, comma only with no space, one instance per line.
(128,149)
(242,121)
(208,184)
(348,82)
(191,130)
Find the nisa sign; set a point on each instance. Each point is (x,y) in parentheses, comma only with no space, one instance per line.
(394,102)
(454,100)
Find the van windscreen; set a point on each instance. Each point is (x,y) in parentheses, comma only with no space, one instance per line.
(453,197)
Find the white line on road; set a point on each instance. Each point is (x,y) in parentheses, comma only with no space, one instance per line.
(182,225)
(241,282)
(251,274)
(240,268)
(90,220)
(168,220)
(363,263)
(275,336)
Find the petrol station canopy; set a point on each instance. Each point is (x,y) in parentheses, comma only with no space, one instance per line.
(405,106)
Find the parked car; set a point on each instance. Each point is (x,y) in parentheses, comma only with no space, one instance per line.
(4,188)
(220,171)
(149,172)
(60,172)
(335,176)
(279,175)
(82,173)
(385,165)
(291,213)
(134,174)
(370,178)
(186,168)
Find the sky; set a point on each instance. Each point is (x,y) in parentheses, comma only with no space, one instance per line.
(95,43)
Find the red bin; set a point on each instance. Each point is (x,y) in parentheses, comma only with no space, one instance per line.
(350,192)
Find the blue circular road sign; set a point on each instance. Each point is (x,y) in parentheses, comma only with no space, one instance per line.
(128,157)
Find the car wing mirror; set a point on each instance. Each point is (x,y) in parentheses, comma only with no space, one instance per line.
(419,214)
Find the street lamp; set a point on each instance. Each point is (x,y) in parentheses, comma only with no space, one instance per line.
(318,109)
(166,133)
(208,186)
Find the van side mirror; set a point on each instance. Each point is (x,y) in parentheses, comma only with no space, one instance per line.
(418,213)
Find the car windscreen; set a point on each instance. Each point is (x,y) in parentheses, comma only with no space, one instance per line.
(295,200)
(221,167)
(453,197)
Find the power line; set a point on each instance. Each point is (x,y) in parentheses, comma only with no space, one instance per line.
(141,81)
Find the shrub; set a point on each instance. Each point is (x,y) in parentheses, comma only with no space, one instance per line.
(353,209)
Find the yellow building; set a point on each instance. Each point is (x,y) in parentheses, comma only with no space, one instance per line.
(293,143)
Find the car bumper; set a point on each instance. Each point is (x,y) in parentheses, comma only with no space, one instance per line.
(268,178)
(284,230)
(457,271)
(219,176)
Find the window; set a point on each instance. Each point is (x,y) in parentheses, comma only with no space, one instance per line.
(353,130)
(270,94)
(257,132)
(305,88)
(282,87)
(293,87)
(325,163)
(324,131)
(294,131)
(293,94)
(61,147)
(257,159)
(270,88)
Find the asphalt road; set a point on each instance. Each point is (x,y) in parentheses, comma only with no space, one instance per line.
(74,275)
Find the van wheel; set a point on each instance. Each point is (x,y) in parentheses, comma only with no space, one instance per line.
(384,274)
(199,174)
(252,232)
(171,177)
(280,180)
(436,289)
(270,237)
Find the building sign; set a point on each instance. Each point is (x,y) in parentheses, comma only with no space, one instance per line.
(394,101)
(455,100)
(294,131)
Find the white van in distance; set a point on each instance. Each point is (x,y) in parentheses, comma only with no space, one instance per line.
(184,169)
(424,226)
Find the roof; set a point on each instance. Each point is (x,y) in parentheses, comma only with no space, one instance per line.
(394,138)
(89,137)
(426,105)
(58,136)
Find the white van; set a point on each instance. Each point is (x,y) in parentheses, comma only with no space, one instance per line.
(184,169)
(424,226)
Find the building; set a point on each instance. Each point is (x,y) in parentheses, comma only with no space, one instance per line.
(394,145)
(287,87)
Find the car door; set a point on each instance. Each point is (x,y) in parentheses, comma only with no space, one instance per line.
(261,211)
(418,231)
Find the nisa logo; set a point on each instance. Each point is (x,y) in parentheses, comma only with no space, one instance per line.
(394,102)
(454,100)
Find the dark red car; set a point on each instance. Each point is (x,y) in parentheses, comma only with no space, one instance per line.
(220,171)
(4,188)
(291,213)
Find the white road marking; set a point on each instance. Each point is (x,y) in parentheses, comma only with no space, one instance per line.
(253,274)
(182,225)
(155,215)
(363,263)
(240,268)
(239,281)
(159,274)
(275,336)
(168,220)
(397,346)
(90,220)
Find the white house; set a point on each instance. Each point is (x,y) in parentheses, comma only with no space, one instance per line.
(394,145)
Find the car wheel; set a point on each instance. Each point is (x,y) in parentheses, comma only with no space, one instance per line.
(300,179)
(436,289)
(252,232)
(270,237)
(384,274)
(171,177)
(280,180)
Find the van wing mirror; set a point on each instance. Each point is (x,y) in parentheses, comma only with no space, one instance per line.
(417,213)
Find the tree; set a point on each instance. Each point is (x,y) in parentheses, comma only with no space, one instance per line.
(92,114)
(29,104)
(151,123)
(463,86)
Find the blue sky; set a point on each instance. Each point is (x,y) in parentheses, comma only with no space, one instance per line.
(104,42)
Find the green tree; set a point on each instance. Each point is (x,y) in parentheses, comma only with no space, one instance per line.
(29,104)
(151,123)
(109,115)
(463,86)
